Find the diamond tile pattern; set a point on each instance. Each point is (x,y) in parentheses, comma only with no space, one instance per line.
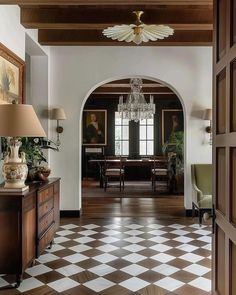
(124,257)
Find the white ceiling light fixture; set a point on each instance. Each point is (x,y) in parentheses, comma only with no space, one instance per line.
(139,32)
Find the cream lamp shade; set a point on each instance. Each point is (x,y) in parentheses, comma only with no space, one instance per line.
(58,114)
(208,115)
(16,121)
(19,120)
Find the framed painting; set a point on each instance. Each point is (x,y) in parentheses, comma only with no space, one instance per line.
(172,121)
(11,77)
(94,127)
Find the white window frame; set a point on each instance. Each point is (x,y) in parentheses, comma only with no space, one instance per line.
(121,140)
(147,140)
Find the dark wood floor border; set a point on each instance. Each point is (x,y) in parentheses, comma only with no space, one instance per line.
(189,213)
(70,213)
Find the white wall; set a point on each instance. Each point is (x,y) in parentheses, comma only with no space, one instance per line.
(16,38)
(12,34)
(37,90)
(76,71)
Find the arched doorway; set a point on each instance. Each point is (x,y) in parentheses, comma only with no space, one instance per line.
(168,103)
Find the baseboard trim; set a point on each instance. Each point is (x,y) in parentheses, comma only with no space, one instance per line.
(69,213)
(189,212)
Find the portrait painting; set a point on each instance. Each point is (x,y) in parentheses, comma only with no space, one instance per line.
(94,127)
(11,77)
(172,121)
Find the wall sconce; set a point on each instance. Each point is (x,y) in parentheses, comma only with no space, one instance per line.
(58,114)
(208,117)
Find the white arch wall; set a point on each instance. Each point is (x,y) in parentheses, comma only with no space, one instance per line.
(76,71)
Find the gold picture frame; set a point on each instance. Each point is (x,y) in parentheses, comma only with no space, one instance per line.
(95,127)
(172,120)
(11,76)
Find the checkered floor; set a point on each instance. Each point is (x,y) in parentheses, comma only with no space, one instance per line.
(123,258)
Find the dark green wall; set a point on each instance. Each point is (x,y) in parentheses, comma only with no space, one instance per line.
(110,104)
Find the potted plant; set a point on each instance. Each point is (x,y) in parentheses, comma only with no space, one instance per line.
(33,149)
(174,148)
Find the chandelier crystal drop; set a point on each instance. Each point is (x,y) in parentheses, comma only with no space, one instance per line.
(138,32)
(136,108)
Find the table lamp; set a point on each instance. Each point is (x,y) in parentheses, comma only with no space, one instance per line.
(16,121)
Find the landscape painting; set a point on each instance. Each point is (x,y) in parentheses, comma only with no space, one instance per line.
(11,77)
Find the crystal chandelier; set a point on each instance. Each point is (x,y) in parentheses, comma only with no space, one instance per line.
(136,108)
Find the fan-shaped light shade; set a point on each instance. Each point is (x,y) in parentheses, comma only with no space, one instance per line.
(58,114)
(138,33)
(19,120)
(207,115)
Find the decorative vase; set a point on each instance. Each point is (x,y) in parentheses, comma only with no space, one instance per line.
(14,168)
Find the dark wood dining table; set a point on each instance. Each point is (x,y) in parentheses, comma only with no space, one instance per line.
(124,163)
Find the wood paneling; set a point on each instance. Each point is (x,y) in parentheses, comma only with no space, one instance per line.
(221,37)
(224,149)
(233,21)
(221,180)
(220,258)
(221,103)
(233,268)
(233,97)
(233,185)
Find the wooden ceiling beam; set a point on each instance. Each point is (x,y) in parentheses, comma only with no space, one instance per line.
(165,96)
(95,37)
(100,18)
(108,2)
(126,89)
(126,85)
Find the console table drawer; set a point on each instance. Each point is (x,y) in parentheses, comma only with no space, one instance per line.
(45,208)
(46,222)
(45,194)
(46,239)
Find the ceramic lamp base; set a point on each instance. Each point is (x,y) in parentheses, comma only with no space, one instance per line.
(14,175)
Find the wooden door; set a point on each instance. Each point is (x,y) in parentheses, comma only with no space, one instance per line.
(224,147)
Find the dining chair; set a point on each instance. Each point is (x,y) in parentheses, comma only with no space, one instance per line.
(159,173)
(114,170)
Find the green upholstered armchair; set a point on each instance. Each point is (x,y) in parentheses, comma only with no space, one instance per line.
(202,188)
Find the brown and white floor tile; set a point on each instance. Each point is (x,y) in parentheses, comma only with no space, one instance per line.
(128,256)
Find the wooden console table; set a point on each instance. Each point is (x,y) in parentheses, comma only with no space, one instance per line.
(28,222)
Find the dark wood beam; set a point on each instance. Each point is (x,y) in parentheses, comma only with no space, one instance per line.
(100,18)
(95,37)
(126,90)
(116,96)
(147,83)
(107,2)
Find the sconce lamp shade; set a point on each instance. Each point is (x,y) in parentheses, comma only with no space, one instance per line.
(19,120)
(208,115)
(58,114)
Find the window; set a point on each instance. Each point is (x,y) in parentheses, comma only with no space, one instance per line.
(121,136)
(146,137)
